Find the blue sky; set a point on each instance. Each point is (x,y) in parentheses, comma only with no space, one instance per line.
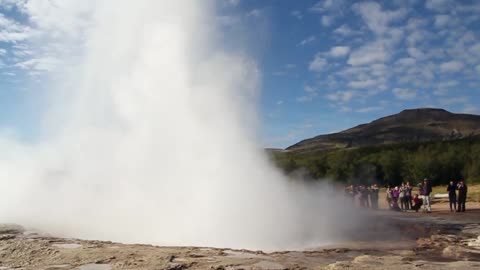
(326,65)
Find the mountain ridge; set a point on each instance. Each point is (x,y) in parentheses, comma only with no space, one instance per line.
(410,125)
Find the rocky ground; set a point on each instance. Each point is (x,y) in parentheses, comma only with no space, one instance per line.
(441,240)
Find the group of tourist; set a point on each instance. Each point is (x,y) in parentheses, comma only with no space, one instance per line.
(402,198)
(455,200)
(367,195)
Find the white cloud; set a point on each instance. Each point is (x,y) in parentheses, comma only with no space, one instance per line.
(344,109)
(290,66)
(279,102)
(407,61)
(440,5)
(379,70)
(328,5)
(404,94)
(377,19)
(3,52)
(475,49)
(440,92)
(254,13)
(39,64)
(442,88)
(442,20)
(369,109)
(436,53)
(67,18)
(344,30)
(318,63)
(8,4)
(416,23)
(304,99)
(456,100)
(309,89)
(327,20)
(368,54)
(415,53)
(297,14)
(447,84)
(451,66)
(12,31)
(311,93)
(341,96)
(473,8)
(307,40)
(363,83)
(339,51)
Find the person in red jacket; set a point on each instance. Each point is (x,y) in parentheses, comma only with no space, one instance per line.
(417,203)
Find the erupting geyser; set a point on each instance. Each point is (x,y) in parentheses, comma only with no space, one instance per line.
(150,138)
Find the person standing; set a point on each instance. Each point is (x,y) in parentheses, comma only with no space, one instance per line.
(462,196)
(408,195)
(363,196)
(395,196)
(426,190)
(374,196)
(401,197)
(452,196)
(389,197)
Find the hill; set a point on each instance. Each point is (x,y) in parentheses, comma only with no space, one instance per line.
(414,125)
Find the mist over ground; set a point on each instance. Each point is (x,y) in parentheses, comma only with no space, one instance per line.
(149,137)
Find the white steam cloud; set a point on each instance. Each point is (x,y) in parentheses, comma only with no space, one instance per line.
(150,137)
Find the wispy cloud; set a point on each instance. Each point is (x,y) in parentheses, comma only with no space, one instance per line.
(452,66)
(297,14)
(309,94)
(328,6)
(318,63)
(440,5)
(378,20)
(369,109)
(307,40)
(404,94)
(341,96)
(39,64)
(254,13)
(327,20)
(345,30)
(369,54)
(339,51)
(455,100)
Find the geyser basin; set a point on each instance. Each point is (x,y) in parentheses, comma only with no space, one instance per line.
(150,137)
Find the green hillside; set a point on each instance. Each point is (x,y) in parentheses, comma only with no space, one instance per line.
(440,161)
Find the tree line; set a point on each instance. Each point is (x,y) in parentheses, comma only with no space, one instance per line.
(439,161)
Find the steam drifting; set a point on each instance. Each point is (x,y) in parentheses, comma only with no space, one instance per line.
(150,138)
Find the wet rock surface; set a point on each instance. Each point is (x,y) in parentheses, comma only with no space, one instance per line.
(405,241)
